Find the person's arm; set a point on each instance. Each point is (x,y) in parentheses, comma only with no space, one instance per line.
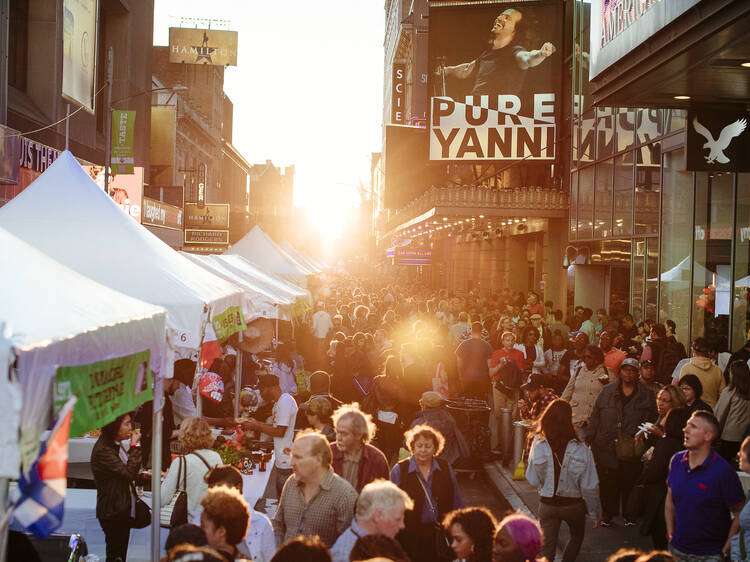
(267,428)
(669,514)
(107,459)
(590,489)
(460,70)
(345,511)
(734,528)
(568,391)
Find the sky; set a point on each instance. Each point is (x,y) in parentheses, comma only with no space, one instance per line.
(307,89)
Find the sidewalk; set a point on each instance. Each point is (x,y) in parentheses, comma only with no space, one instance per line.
(597,544)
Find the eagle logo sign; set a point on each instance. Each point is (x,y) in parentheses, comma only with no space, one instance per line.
(717,147)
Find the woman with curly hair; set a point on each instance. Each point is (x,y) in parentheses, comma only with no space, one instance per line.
(472,531)
(196,440)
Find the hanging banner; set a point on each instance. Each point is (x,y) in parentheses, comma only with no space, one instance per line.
(123,125)
(79,51)
(105,389)
(228,322)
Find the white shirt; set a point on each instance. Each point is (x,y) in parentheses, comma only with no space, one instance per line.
(322,324)
(284,414)
(260,543)
(182,405)
(196,485)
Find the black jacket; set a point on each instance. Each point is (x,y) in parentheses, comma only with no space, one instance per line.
(113,479)
(601,431)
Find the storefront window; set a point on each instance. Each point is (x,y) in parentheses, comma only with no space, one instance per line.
(573,206)
(740,317)
(712,269)
(647,189)
(638,252)
(605,131)
(652,274)
(603,200)
(625,128)
(676,237)
(586,153)
(675,120)
(623,218)
(585,202)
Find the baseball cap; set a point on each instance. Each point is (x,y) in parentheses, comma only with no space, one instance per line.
(630,362)
(646,363)
(432,399)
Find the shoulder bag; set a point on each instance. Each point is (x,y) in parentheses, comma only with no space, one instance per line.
(443,549)
(175,512)
(142,512)
(627,448)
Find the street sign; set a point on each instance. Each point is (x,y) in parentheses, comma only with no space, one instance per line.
(123,124)
(203,236)
(211,215)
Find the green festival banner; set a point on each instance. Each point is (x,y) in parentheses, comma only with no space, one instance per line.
(228,322)
(105,389)
(123,123)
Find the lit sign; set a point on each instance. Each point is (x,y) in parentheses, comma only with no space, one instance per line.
(201,236)
(398,94)
(35,156)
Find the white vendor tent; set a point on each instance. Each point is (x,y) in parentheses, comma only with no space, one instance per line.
(67,216)
(56,317)
(301,257)
(239,264)
(259,249)
(266,303)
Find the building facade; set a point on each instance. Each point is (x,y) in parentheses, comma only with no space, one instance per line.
(650,231)
(271,194)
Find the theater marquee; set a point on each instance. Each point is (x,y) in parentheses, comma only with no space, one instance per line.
(203,46)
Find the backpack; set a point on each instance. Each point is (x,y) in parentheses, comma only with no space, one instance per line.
(672,352)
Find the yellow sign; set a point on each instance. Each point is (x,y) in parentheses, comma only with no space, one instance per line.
(211,215)
(202,46)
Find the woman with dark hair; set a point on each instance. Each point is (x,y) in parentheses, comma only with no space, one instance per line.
(654,476)
(113,478)
(532,351)
(563,470)
(733,410)
(692,389)
(588,380)
(383,404)
(472,531)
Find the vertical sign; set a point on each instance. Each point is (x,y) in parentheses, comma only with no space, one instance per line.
(398,94)
(123,123)
(79,51)
(201,186)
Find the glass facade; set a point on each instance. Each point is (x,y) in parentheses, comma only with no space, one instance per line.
(687,234)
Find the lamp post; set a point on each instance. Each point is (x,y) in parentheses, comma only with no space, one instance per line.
(110,103)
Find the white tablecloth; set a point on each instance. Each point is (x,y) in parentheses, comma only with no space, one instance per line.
(79,449)
(80,517)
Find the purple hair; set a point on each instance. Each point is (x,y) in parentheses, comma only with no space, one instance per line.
(525,532)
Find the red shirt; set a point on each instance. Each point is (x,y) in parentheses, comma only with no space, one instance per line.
(514,355)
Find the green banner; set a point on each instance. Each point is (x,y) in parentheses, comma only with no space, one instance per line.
(105,389)
(228,322)
(121,159)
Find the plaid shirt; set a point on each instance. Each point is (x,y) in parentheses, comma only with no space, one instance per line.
(327,515)
(536,409)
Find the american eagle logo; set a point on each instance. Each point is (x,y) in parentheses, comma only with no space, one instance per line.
(716,147)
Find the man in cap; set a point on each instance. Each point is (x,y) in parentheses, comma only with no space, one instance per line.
(534,397)
(280,426)
(648,376)
(621,407)
(436,416)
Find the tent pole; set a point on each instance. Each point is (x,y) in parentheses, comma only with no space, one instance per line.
(4,484)
(237,382)
(156,447)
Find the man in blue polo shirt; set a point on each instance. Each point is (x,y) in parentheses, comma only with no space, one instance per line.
(703,491)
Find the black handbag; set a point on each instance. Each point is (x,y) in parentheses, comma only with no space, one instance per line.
(443,550)
(142,513)
(175,513)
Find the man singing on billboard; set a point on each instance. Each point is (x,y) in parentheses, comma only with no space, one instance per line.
(500,68)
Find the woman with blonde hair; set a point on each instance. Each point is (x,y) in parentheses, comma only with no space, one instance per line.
(196,440)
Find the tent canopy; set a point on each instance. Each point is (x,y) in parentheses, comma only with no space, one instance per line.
(301,257)
(259,249)
(239,264)
(266,303)
(67,216)
(56,317)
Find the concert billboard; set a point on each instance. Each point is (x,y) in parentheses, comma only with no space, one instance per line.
(495,81)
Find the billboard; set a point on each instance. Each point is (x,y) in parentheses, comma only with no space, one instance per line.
(158,213)
(203,46)
(79,51)
(495,81)
(125,189)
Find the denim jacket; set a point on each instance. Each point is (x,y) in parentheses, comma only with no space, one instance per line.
(578,477)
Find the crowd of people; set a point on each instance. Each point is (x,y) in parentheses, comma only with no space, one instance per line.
(626,429)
